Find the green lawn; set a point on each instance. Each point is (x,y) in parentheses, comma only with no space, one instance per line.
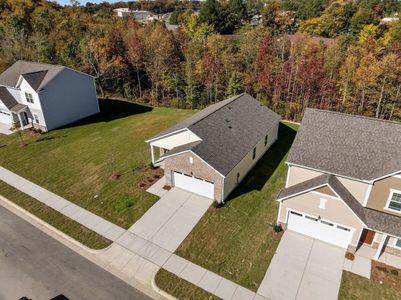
(236,241)
(180,288)
(70,227)
(76,162)
(354,287)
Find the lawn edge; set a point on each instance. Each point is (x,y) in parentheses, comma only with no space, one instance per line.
(50,229)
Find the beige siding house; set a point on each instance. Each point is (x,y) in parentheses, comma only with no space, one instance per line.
(212,151)
(344,182)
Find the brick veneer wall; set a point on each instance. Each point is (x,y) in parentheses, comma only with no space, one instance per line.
(181,163)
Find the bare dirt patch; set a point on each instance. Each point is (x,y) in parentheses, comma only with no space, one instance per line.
(386,275)
(150,176)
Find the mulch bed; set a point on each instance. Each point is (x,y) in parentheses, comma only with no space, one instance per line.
(151,175)
(386,275)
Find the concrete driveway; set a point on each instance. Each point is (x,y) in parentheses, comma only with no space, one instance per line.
(303,268)
(5,129)
(171,219)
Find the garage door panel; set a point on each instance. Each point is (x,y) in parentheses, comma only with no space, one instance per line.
(194,185)
(323,230)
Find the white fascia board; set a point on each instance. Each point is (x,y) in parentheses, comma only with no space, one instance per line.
(166,135)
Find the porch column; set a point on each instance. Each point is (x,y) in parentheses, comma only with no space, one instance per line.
(20,121)
(381,246)
(153,155)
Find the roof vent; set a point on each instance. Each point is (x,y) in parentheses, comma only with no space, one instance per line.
(227,121)
(229,126)
(229,107)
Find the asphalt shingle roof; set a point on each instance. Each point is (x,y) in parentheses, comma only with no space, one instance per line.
(374,219)
(229,130)
(353,146)
(35,78)
(37,74)
(6,97)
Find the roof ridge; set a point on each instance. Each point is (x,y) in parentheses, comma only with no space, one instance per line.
(354,116)
(232,100)
(40,63)
(34,72)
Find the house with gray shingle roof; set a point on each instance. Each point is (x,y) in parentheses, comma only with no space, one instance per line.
(45,96)
(210,152)
(344,183)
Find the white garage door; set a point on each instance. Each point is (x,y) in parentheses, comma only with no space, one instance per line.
(323,230)
(5,117)
(194,185)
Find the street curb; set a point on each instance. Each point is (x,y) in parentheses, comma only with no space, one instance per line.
(69,242)
(160,291)
(50,230)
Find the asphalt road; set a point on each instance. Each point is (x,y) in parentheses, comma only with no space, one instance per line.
(34,265)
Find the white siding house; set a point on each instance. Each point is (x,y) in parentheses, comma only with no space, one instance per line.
(45,96)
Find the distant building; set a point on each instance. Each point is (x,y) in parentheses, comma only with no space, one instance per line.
(388,20)
(139,15)
(122,12)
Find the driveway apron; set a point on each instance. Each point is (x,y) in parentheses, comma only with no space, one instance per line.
(303,268)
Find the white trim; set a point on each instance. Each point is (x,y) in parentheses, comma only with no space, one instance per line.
(311,189)
(397,176)
(166,135)
(302,192)
(222,190)
(380,248)
(367,195)
(279,212)
(394,243)
(288,176)
(386,207)
(325,172)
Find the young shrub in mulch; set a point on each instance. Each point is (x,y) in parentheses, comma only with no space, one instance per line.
(349,255)
(277,231)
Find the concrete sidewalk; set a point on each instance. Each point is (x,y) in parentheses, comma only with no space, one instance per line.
(138,254)
(67,208)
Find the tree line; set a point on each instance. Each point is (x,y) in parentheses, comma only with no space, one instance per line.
(358,72)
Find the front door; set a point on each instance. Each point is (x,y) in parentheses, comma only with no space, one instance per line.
(367,236)
(24,117)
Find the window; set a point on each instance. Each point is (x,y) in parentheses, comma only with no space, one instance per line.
(265,140)
(238,175)
(254,153)
(191,160)
(327,223)
(343,228)
(36,118)
(394,202)
(29,97)
(397,243)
